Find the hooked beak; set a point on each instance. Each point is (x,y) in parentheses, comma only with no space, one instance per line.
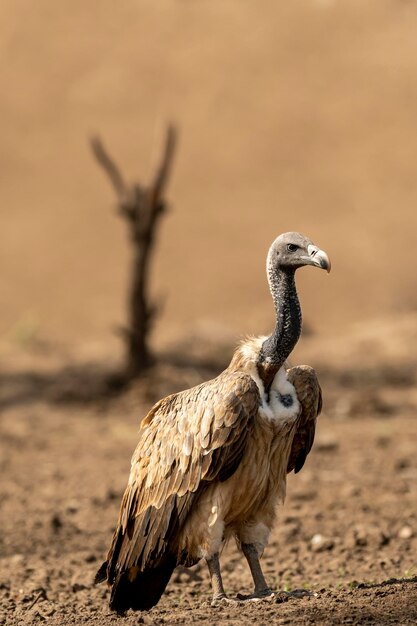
(319,258)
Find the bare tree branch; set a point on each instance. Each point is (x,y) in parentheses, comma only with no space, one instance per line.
(162,174)
(110,168)
(141,207)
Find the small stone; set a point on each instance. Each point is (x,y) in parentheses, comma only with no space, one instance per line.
(81,580)
(406,532)
(56,522)
(39,617)
(48,611)
(361,536)
(72,507)
(326,443)
(402,464)
(319,543)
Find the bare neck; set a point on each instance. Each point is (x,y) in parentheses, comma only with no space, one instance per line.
(279,345)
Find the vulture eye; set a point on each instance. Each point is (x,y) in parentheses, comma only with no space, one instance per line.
(291,247)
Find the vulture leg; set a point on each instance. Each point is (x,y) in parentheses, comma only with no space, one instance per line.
(261,588)
(219,594)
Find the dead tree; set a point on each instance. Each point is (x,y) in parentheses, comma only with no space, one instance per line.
(142,208)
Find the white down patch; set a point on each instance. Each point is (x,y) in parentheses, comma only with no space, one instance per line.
(281,389)
(283,403)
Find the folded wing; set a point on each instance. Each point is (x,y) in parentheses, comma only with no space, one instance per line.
(308,391)
(187,441)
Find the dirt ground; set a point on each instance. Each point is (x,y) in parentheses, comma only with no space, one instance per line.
(292,116)
(347,532)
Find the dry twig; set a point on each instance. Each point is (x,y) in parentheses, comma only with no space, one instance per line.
(142,207)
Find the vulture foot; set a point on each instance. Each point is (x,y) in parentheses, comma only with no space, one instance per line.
(222,600)
(284,596)
(265,594)
(276,596)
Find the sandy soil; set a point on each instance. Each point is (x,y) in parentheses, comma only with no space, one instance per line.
(347,532)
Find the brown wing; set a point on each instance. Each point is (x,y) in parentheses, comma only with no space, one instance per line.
(308,391)
(186,441)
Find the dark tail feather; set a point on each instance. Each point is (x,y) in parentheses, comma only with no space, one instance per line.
(145,590)
(101,575)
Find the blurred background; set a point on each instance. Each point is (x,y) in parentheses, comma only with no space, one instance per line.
(291,116)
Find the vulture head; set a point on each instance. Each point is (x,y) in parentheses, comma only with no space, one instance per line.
(293,250)
(287,253)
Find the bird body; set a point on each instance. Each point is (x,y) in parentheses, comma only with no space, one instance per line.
(212,461)
(244,505)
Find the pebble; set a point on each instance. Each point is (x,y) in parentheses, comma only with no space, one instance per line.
(56,522)
(406,532)
(72,506)
(362,535)
(326,443)
(320,544)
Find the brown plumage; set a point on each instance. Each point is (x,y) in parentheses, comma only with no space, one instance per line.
(212,461)
(308,393)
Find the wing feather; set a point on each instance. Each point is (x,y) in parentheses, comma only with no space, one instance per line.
(187,440)
(308,392)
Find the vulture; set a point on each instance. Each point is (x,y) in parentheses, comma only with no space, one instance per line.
(212,461)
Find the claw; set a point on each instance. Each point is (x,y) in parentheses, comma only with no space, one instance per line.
(284,596)
(277,596)
(222,600)
(267,594)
